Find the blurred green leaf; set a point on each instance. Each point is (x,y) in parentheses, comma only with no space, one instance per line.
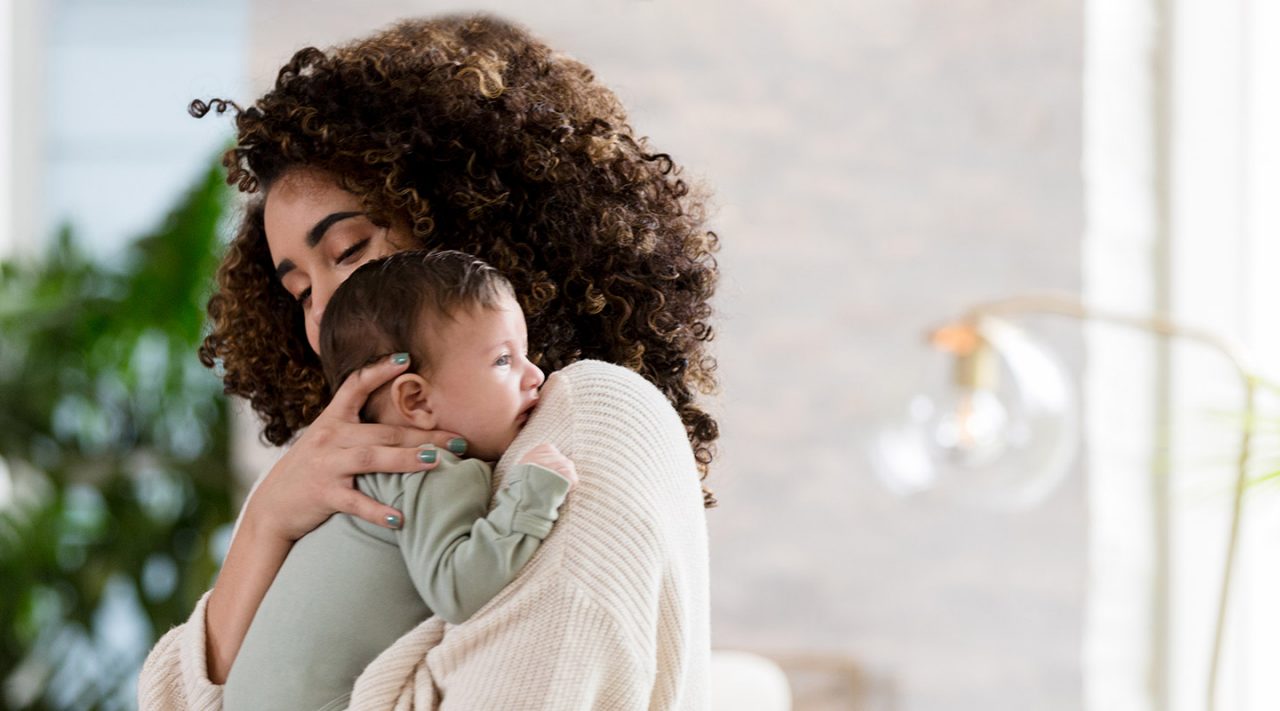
(114,465)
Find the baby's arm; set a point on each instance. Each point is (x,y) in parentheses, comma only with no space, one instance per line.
(459,557)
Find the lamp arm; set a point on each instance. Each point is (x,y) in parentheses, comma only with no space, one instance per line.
(1071,307)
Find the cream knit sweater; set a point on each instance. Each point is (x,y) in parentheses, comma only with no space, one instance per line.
(612,611)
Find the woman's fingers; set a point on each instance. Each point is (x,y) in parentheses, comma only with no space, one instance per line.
(397,436)
(362,460)
(357,504)
(355,390)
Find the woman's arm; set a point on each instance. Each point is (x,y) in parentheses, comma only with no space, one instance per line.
(188,665)
(252,562)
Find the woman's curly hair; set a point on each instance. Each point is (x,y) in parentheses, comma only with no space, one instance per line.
(480,138)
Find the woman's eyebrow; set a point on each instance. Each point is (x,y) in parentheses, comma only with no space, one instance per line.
(283,268)
(317,233)
(314,236)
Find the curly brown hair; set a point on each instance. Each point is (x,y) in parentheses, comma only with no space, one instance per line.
(483,139)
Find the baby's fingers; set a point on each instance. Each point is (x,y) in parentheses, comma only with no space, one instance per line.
(568,471)
(361,506)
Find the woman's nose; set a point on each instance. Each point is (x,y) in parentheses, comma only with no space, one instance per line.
(321,291)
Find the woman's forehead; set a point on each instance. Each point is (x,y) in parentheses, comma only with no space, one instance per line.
(300,202)
(305,189)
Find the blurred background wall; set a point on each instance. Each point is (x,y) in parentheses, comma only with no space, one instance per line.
(878,167)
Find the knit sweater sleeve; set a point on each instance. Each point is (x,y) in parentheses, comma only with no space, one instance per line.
(174,675)
(643,549)
(563,652)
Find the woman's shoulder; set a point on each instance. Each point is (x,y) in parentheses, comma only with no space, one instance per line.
(597,383)
(600,371)
(614,410)
(638,488)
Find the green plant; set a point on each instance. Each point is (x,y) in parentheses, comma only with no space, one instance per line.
(115,477)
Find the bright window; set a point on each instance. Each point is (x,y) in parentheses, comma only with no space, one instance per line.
(1182,160)
(119,147)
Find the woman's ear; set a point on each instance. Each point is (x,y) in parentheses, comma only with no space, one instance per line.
(410,397)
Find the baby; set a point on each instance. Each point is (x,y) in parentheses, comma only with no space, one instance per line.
(349,589)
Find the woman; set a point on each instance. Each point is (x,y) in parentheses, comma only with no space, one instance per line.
(466,133)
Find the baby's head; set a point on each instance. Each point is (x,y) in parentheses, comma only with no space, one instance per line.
(458,320)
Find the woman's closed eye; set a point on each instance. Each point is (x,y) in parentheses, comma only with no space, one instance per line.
(353,250)
(345,256)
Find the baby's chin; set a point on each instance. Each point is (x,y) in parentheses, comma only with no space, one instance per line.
(491,451)
(490,446)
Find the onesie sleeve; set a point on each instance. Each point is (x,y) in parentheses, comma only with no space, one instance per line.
(458,555)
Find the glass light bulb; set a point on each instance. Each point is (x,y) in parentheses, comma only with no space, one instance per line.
(1006,444)
(971,431)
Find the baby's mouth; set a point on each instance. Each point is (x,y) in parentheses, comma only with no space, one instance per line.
(523,417)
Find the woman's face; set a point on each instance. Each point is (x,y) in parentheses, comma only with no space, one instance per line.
(318,234)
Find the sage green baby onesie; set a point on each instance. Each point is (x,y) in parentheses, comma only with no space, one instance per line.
(348,589)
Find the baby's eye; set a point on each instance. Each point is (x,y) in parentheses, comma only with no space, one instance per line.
(504,359)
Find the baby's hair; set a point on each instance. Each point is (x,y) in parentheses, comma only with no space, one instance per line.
(397,303)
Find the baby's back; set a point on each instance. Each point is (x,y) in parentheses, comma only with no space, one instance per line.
(342,596)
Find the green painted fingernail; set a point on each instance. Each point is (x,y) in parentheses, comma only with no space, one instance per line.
(458,446)
(427,454)
(399,358)
(393,521)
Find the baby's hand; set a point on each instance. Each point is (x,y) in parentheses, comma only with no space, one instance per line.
(546,455)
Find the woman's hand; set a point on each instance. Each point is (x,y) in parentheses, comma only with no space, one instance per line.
(311,482)
(314,479)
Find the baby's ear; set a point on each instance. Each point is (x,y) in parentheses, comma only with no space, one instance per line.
(410,396)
